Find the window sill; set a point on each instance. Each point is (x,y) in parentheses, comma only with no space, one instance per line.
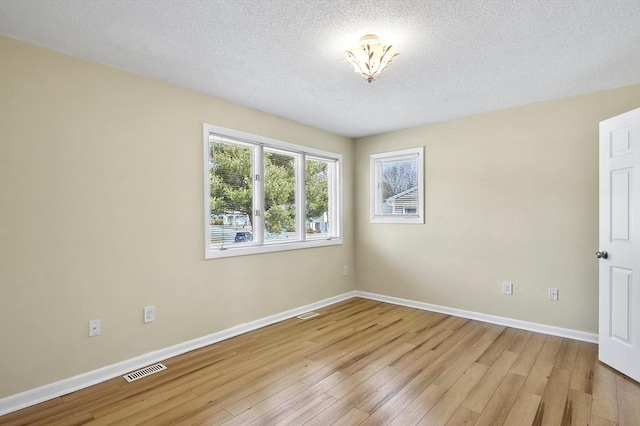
(397,219)
(244,250)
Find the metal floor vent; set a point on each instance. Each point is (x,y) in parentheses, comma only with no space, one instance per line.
(308,315)
(147,371)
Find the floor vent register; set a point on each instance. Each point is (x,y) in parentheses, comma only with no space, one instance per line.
(144,372)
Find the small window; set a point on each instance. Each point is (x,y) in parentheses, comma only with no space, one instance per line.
(397,190)
(264,195)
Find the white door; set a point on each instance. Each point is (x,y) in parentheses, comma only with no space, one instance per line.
(619,251)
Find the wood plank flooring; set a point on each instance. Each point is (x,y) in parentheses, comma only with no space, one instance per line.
(363,362)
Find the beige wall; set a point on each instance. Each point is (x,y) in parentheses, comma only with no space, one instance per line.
(510,196)
(101,214)
(101,184)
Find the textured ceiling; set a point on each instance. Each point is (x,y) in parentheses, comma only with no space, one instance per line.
(284,57)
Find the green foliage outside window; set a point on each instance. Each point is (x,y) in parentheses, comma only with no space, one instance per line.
(231,186)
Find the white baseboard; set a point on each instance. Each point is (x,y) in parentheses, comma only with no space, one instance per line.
(493,319)
(72,384)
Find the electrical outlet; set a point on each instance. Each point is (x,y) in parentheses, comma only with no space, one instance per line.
(507,288)
(553,294)
(345,270)
(149,314)
(94,328)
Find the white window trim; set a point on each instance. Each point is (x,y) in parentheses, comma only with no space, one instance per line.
(376,195)
(260,246)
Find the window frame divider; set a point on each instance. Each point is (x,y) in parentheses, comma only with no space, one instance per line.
(301,191)
(258,195)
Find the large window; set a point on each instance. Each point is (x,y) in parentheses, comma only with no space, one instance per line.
(265,195)
(397,194)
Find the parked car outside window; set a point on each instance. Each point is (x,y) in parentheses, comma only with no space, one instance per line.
(243,236)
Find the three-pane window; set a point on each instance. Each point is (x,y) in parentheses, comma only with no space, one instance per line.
(265,195)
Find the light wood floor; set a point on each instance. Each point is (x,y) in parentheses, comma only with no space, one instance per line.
(364,362)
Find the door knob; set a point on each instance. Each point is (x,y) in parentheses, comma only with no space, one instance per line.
(602,254)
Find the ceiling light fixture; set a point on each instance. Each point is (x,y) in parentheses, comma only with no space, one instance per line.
(371,58)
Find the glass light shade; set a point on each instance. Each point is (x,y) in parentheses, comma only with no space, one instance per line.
(370,58)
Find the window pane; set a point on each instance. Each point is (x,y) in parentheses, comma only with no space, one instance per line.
(318,219)
(231,193)
(279,196)
(399,187)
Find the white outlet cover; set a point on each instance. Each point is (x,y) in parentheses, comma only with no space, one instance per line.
(149,314)
(94,328)
(507,288)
